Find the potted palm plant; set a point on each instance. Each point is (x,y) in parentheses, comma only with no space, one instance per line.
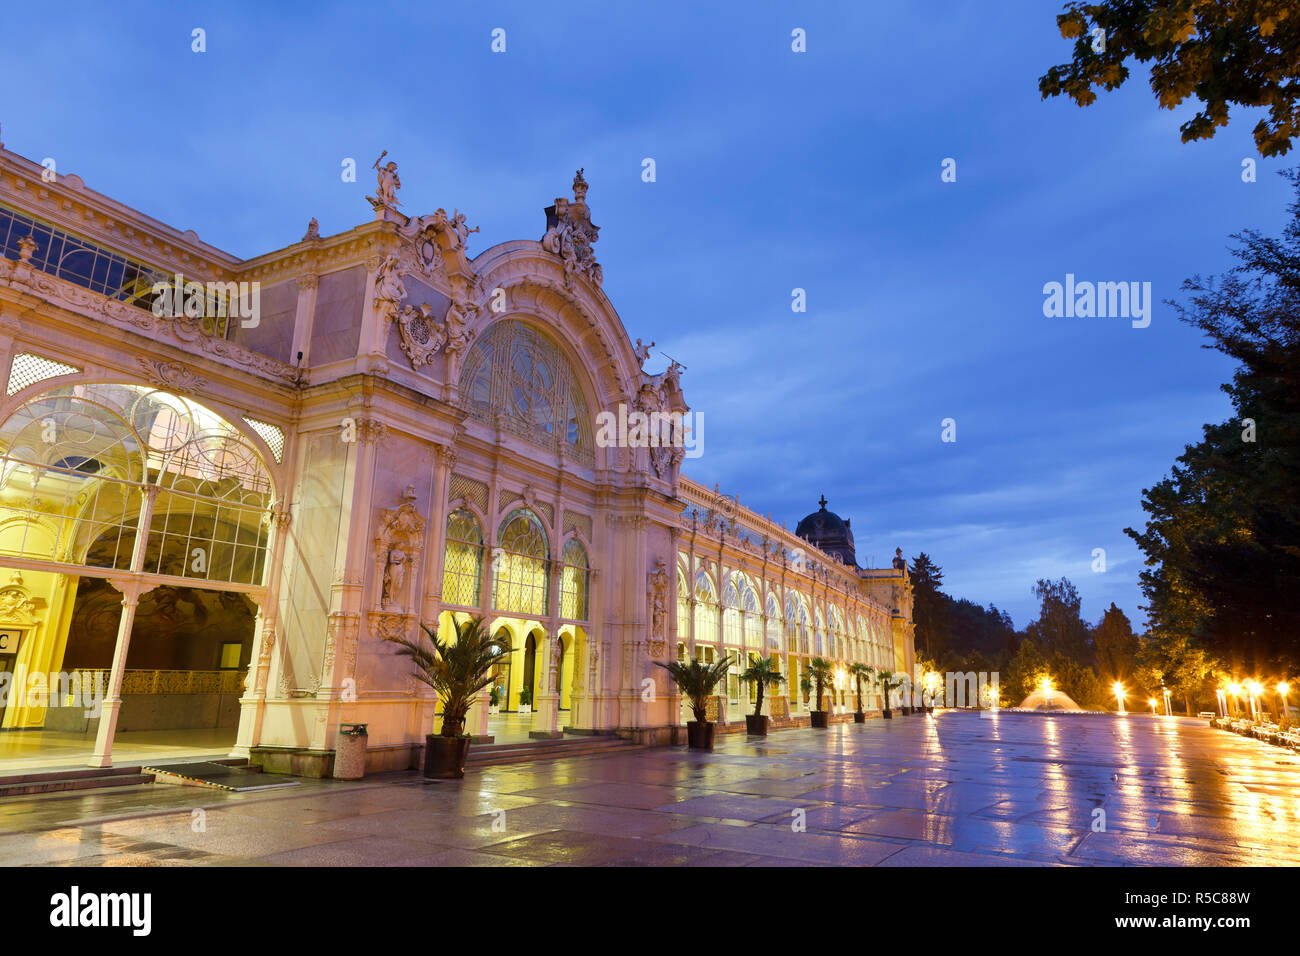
(805,685)
(696,680)
(887,683)
(456,672)
(860,672)
(819,669)
(762,672)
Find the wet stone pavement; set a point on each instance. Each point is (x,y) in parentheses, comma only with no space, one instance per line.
(951,790)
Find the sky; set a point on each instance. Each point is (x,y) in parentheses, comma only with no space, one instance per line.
(774,170)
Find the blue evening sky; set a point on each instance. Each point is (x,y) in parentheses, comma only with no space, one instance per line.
(776,170)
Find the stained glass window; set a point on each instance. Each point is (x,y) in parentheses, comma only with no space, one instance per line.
(573,588)
(462,565)
(518,372)
(522,565)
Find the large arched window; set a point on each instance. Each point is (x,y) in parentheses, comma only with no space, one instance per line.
(753,626)
(573,587)
(706,611)
(516,371)
(521,584)
(839,640)
(796,623)
(819,638)
(732,633)
(773,625)
(683,607)
(462,564)
(77,463)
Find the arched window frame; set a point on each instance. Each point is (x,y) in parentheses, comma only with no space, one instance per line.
(575,581)
(462,561)
(706,611)
(207,474)
(520,373)
(773,625)
(521,584)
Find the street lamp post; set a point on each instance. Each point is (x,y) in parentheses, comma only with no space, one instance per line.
(1152,702)
(1283,688)
(1169,711)
(1119,696)
(1253,689)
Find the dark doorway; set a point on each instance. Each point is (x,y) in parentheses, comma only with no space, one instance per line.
(501,670)
(559,674)
(530,661)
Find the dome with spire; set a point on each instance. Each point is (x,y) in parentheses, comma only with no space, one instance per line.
(828,531)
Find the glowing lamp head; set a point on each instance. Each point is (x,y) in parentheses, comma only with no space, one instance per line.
(1234,689)
(1151,701)
(1118,688)
(1283,688)
(1045,685)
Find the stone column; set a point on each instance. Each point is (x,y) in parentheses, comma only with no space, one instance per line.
(112,704)
(546,705)
(252,706)
(670,627)
(303,320)
(131,590)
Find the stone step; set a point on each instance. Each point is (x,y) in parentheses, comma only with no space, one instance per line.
(64,780)
(545,750)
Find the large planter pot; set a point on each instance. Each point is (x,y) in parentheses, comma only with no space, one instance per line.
(756,724)
(444,757)
(699,734)
(819,718)
(906,710)
(887,714)
(859,717)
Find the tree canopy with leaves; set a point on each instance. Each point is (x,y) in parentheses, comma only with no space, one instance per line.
(1241,53)
(1222,537)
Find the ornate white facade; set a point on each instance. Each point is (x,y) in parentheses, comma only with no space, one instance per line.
(405,433)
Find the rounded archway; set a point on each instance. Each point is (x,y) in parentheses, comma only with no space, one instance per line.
(119,482)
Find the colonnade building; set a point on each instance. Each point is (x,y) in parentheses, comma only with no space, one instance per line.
(226,483)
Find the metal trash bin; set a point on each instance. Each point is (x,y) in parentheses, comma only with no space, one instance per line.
(350,752)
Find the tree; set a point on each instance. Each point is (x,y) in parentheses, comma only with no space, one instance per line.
(761,672)
(1060,630)
(1224,54)
(1116,644)
(456,671)
(1222,537)
(929,604)
(696,680)
(819,669)
(860,672)
(1024,672)
(1177,662)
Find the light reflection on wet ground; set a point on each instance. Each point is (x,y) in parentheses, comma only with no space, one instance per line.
(955,789)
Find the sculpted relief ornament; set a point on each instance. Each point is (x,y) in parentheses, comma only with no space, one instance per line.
(420,334)
(570,235)
(385,198)
(435,245)
(658,609)
(397,546)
